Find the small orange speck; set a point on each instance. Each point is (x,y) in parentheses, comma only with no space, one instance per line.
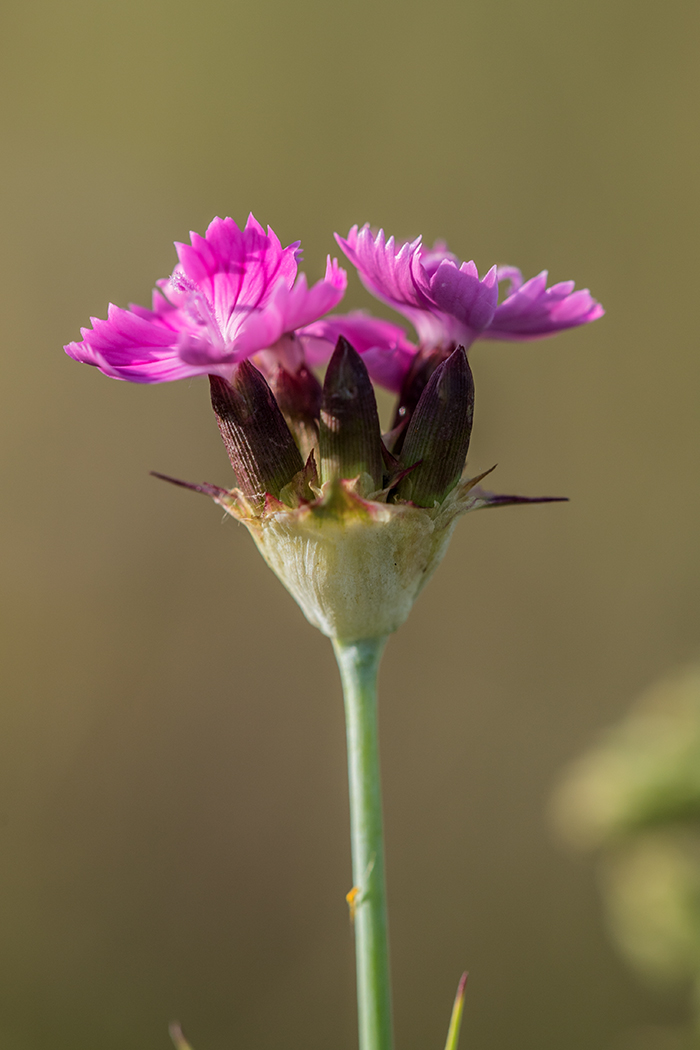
(351,898)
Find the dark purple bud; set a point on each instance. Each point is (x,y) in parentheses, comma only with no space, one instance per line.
(258,441)
(437,438)
(415,381)
(298,395)
(349,439)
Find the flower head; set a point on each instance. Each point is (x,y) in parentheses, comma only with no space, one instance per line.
(234,292)
(352,522)
(447,303)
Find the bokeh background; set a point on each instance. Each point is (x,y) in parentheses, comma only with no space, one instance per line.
(173,807)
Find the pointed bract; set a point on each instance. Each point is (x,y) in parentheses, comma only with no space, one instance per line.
(438,435)
(349,434)
(215,491)
(483,499)
(259,444)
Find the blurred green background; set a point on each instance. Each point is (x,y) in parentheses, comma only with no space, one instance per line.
(173,808)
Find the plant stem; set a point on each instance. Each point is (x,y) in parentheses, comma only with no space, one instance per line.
(359,665)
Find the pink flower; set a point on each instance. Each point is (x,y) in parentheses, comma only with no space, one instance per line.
(446,301)
(531,310)
(234,293)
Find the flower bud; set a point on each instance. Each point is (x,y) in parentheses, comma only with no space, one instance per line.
(415,381)
(257,439)
(437,438)
(350,440)
(298,394)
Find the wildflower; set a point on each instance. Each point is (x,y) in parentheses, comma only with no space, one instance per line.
(234,293)
(447,303)
(353,523)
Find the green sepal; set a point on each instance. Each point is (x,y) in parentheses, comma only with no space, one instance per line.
(349,439)
(437,438)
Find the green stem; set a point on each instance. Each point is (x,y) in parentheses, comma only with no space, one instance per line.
(359,664)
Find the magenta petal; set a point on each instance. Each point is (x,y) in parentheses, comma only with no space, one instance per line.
(259,329)
(460,293)
(236,269)
(390,272)
(561,290)
(163,370)
(304,305)
(158,370)
(388,366)
(124,333)
(83,352)
(448,304)
(129,346)
(431,258)
(445,302)
(232,294)
(532,310)
(511,274)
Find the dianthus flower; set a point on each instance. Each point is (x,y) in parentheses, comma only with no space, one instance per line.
(353,523)
(235,292)
(447,303)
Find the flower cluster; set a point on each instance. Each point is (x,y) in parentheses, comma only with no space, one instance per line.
(353,522)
